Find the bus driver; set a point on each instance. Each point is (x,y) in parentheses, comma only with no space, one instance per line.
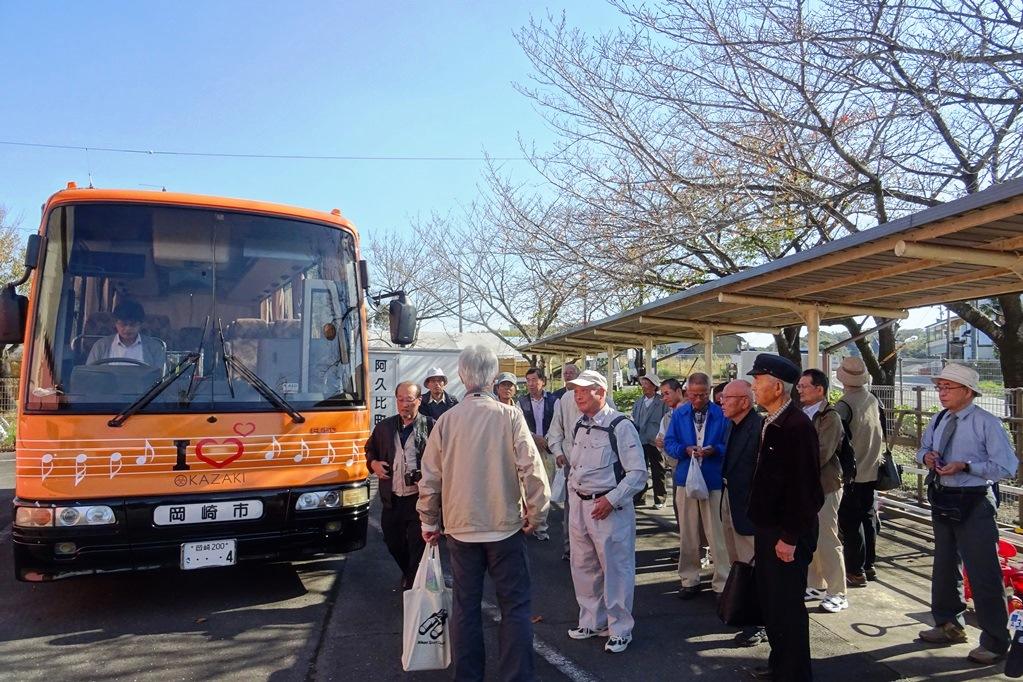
(128,343)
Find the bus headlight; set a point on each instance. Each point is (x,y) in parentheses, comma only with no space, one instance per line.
(99,515)
(332,499)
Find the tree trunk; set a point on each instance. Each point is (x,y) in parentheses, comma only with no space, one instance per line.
(1007,337)
(787,344)
(881,373)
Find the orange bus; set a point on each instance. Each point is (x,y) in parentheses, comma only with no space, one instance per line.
(223,419)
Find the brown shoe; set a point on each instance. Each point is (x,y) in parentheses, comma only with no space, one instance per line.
(984,657)
(855,580)
(946,633)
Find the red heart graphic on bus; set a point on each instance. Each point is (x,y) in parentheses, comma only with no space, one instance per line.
(219,450)
(244,428)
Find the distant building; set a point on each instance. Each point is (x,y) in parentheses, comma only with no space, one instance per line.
(966,341)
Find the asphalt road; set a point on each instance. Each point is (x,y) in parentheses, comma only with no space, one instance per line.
(339,618)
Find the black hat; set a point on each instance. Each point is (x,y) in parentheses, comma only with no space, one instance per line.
(776,366)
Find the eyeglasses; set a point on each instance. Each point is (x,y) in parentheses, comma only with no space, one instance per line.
(948,387)
(697,395)
(726,397)
(406,399)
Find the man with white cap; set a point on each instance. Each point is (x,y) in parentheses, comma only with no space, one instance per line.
(607,469)
(647,413)
(860,412)
(505,387)
(437,401)
(967,450)
(561,436)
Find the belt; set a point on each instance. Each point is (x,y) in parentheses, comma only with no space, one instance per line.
(594,496)
(963,490)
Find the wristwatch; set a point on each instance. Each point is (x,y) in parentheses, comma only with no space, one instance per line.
(966,467)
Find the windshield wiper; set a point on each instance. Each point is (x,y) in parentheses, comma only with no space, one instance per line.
(190,361)
(233,366)
(159,387)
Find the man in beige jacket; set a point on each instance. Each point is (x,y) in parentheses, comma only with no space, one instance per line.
(480,466)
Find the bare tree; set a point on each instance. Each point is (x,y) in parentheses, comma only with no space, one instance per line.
(405,262)
(710,135)
(12,267)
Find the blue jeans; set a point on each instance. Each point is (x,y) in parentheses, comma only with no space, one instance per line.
(508,567)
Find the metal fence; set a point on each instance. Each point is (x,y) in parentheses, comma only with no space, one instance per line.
(8,395)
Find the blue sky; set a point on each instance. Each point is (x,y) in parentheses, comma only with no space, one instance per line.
(325,78)
(316,78)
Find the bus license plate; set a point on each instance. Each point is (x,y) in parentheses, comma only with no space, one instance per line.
(207,554)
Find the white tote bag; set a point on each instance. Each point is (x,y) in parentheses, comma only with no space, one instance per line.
(696,487)
(426,639)
(559,487)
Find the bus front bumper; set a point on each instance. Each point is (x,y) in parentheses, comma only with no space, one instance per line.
(136,542)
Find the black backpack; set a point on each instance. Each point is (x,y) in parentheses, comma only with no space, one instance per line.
(846,453)
(610,431)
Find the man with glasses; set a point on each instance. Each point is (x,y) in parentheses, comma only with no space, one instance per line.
(826,580)
(128,343)
(394,452)
(696,437)
(966,450)
(743,441)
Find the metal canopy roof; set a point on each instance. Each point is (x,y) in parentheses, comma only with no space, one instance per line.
(960,250)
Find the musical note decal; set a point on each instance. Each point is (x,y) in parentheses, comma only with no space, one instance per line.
(302,452)
(355,453)
(46,465)
(114,464)
(274,451)
(80,466)
(330,456)
(148,455)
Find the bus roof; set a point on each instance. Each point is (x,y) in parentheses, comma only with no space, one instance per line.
(76,195)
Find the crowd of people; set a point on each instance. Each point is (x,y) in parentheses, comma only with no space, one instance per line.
(789,485)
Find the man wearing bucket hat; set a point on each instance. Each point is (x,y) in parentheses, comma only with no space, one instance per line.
(785,498)
(860,412)
(967,450)
(646,415)
(437,401)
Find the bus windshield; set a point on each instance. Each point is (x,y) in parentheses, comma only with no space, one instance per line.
(129,292)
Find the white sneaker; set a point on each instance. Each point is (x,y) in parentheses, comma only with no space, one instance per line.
(812,594)
(616,645)
(833,603)
(586,633)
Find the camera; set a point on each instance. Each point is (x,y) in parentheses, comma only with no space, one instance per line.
(413,477)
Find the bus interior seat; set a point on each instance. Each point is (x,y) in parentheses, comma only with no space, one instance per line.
(280,356)
(244,334)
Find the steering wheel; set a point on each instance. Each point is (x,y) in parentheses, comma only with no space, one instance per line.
(127,361)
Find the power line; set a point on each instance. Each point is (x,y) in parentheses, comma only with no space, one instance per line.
(226,155)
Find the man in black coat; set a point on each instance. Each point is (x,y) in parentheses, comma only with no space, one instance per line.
(394,452)
(784,500)
(743,443)
(538,407)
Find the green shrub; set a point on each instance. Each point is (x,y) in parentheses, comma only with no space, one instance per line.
(626,398)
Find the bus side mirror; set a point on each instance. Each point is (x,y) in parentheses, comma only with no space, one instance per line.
(13,315)
(403,322)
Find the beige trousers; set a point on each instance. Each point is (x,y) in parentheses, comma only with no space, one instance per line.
(827,570)
(692,516)
(740,547)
